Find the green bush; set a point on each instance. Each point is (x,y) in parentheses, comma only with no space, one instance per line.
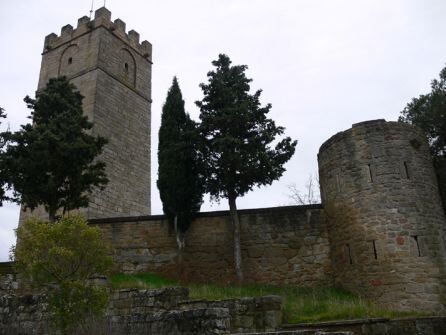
(60,258)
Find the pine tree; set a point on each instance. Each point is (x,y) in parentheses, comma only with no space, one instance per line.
(179,181)
(52,162)
(237,137)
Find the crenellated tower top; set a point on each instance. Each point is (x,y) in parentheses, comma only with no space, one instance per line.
(102,18)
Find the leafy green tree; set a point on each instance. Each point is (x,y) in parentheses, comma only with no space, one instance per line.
(179,182)
(52,161)
(237,140)
(428,112)
(60,258)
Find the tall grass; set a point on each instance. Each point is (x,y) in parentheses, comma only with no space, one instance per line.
(299,304)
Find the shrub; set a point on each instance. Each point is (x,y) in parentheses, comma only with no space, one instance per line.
(60,258)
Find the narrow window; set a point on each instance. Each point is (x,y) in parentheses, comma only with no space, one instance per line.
(338,182)
(126,67)
(70,60)
(406,170)
(375,254)
(348,253)
(417,250)
(370,173)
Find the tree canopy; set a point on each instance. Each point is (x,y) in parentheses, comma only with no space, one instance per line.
(238,139)
(237,134)
(179,168)
(428,112)
(52,162)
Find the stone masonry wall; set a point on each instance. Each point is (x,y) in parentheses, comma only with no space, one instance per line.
(112,70)
(386,222)
(283,245)
(433,325)
(159,311)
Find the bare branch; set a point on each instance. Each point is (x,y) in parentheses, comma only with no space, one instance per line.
(310,196)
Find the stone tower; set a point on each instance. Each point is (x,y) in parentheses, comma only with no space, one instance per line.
(386,222)
(112,70)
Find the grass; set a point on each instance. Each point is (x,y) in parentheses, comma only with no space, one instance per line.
(299,304)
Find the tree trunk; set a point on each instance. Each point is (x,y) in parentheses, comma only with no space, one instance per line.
(180,238)
(52,215)
(237,249)
(181,243)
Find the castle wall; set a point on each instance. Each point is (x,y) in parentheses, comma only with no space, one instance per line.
(141,312)
(386,223)
(283,245)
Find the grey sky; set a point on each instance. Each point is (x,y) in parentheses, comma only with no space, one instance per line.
(322,64)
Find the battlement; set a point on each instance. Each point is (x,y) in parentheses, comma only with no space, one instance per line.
(102,18)
(366,125)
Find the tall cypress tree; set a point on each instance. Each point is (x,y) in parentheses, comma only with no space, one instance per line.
(238,140)
(179,181)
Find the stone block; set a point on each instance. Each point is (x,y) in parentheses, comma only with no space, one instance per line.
(119,25)
(102,13)
(83,20)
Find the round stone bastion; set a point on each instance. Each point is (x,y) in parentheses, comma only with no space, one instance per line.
(385,219)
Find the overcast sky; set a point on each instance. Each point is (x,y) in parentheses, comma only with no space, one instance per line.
(323,64)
